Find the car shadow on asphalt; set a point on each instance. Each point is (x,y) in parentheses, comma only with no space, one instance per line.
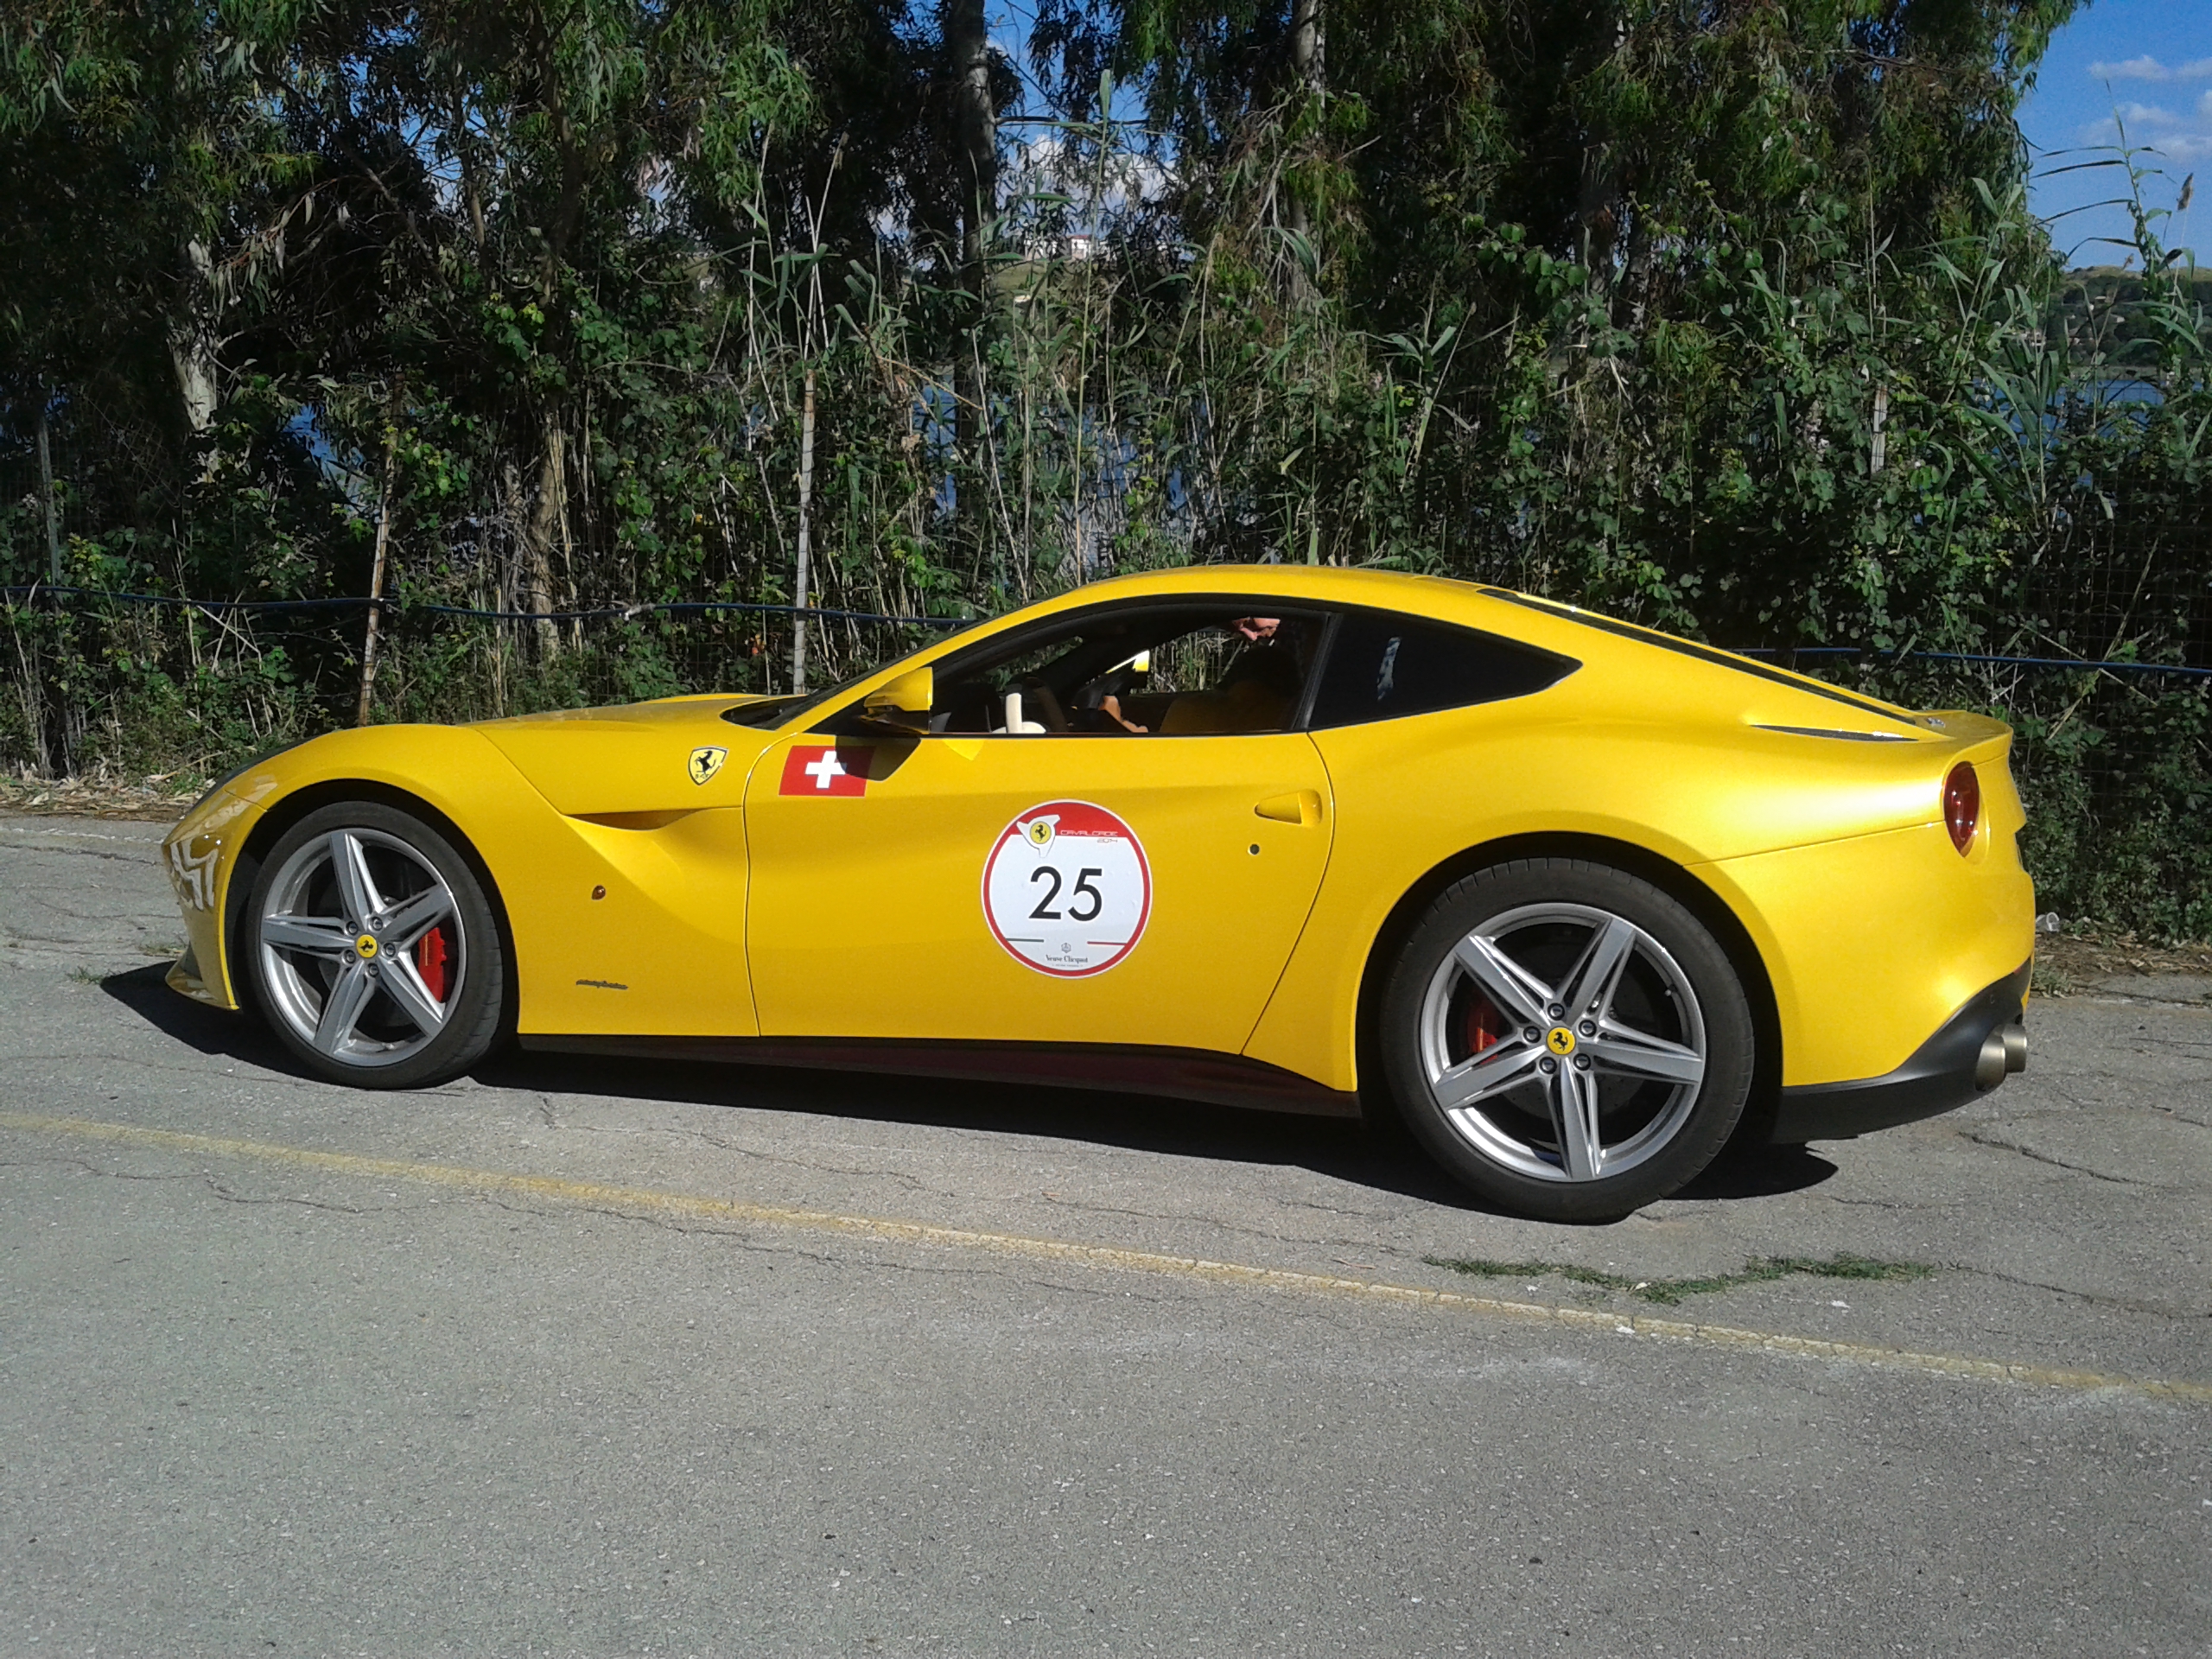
(1383,1158)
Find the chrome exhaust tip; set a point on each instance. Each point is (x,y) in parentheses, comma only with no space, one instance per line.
(1989,1066)
(2004,1051)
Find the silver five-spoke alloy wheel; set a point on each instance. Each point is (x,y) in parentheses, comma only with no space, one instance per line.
(1562,1042)
(362,951)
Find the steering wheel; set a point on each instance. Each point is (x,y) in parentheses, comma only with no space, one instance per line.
(1091,713)
(1042,704)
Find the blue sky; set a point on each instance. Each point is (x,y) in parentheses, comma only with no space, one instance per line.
(2147,63)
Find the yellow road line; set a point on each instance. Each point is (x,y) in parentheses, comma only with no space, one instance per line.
(646,1201)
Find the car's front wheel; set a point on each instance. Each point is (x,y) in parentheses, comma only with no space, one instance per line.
(1567,1038)
(373,949)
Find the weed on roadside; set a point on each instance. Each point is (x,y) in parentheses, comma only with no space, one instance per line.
(1671,1291)
(2051,980)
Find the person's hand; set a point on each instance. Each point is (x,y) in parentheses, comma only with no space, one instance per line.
(1257,628)
(1111,708)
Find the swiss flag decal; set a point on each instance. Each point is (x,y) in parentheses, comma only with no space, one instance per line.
(811,769)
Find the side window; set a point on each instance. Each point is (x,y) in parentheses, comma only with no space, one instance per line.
(1177,669)
(1382,665)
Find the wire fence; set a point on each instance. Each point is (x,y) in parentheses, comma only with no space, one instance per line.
(2112,753)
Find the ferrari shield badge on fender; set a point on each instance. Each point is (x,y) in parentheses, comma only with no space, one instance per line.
(811,769)
(706,761)
(1067,889)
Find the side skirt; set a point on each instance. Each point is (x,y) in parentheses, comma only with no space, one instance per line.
(1118,1068)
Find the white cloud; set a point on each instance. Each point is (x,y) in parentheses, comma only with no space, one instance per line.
(2180,142)
(2145,123)
(2149,68)
(2147,115)
(2175,142)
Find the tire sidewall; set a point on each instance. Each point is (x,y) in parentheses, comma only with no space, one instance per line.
(1731,1041)
(472,1022)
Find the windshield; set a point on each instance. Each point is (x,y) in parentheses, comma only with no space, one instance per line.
(774,711)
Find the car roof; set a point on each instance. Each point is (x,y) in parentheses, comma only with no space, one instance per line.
(1588,637)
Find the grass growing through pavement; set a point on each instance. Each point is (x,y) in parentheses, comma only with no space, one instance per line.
(1672,1291)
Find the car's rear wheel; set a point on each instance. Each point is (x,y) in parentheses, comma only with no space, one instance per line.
(373,951)
(1567,1038)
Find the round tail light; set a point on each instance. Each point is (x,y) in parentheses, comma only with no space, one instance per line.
(1963,804)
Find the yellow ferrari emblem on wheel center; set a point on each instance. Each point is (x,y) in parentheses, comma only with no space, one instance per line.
(1560,1040)
(366,946)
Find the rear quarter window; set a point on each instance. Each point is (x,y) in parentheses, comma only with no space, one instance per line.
(1383,666)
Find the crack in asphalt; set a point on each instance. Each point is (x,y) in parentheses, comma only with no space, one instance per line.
(739,1235)
(2047,1158)
(1894,1205)
(2157,1310)
(229,1195)
(90,1168)
(144,860)
(918,1184)
(232,1195)
(912,1182)
(256,1071)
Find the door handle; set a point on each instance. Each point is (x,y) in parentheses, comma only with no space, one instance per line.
(1300,806)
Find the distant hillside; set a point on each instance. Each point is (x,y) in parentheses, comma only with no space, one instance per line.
(2104,306)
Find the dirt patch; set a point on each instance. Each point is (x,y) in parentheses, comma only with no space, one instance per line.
(2066,963)
(151,800)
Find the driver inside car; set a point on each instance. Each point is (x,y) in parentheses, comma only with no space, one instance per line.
(1256,693)
(1176,675)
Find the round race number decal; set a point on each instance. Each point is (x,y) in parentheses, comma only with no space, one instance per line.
(1067,889)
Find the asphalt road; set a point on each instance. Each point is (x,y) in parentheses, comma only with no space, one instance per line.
(614,1359)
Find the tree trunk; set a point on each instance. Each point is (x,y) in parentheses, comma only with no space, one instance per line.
(45,684)
(805,537)
(376,584)
(968,47)
(1306,42)
(1308,45)
(192,340)
(548,528)
(46,490)
(967,51)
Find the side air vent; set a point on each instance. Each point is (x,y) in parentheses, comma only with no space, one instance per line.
(1831,731)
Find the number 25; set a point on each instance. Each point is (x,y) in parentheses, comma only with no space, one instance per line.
(1084,887)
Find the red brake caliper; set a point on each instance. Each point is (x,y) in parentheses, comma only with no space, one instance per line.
(1485,1024)
(430,961)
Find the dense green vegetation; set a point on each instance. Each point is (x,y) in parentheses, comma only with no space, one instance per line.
(1727,317)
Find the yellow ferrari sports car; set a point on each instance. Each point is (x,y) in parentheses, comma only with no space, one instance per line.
(1579,901)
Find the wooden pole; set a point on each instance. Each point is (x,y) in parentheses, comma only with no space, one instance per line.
(376,581)
(805,536)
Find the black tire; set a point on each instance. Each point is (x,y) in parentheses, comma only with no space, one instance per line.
(1662,1068)
(293,942)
